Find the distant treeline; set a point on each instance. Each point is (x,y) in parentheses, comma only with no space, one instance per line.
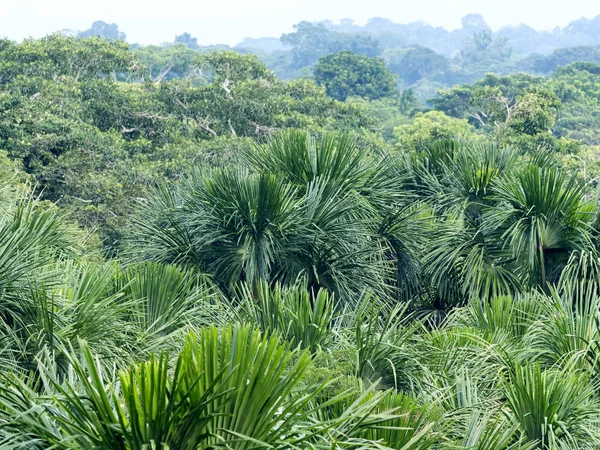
(423,57)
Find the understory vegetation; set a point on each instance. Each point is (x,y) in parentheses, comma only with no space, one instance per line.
(239,262)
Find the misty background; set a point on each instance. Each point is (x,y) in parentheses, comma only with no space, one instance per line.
(152,22)
(428,45)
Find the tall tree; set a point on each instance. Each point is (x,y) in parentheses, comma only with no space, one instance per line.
(187,39)
(311,41)
(105,30)
(346,73)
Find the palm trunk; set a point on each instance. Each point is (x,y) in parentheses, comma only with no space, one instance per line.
(542,267)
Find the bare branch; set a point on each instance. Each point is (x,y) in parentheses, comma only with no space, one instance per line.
(478,116)
(205,125)
(261,128)
(163,73)
(180,103)
(225,86)
(231,128)
(80,199)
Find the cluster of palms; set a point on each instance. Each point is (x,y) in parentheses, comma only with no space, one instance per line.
(322,296)
(453,222)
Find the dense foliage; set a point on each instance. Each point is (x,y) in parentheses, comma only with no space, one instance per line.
(86,121)
(349,74)
(197,254)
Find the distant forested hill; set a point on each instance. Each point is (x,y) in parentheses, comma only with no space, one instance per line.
(423,57)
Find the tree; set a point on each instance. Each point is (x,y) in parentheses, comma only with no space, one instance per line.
(55,56)
(228,67)
(296,216)
(188,40)
(482,47)
(566,56)
(518,109)
(577,88)
(473,23)
(427,128)
(542,217)
(534,112)
(166,63)
(346,73)
(106,30)
(414,63)
(311,41)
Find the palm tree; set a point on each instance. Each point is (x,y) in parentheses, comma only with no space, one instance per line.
(233,225)
(554,408)
(304,318)
(542,217)
(461,260)
(35,240)
(501,228)
(299,158)
(313,209)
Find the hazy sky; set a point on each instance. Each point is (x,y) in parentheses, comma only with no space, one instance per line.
(229,21)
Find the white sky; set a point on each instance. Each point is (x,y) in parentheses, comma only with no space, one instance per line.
(229,21)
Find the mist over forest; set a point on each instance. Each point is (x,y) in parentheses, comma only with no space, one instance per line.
(421,55)
(368,237)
